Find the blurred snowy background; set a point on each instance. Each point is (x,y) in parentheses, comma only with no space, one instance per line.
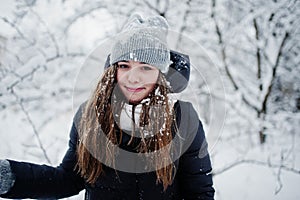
(254,53)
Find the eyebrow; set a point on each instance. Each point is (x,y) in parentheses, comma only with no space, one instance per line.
(123,61)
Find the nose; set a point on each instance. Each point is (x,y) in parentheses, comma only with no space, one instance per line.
(133,76)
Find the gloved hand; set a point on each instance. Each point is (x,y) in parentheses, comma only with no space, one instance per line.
(7,178)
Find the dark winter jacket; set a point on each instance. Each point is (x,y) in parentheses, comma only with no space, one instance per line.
(193,179)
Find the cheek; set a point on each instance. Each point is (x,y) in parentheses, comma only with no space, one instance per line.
(150,87)
(151,79)
(151,82)
(120,76)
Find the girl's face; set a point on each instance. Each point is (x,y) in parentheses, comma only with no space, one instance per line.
(136,80)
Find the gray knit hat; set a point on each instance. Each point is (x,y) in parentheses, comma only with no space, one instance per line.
(143,40)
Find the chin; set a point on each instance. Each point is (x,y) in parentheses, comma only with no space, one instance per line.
(134,101)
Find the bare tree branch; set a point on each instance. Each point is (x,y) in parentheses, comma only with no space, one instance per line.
(254,162)
(219,34)
(278,176)
(29,74)
(82,13)
(278,57)
(32,126)
(224,56)
(51,35)
(153,8)
(184,22)
(258,56)
(13,25)
(166,6)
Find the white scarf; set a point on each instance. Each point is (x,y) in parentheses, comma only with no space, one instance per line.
(126,121)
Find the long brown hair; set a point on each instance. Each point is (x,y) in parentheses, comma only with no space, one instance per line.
(98,115)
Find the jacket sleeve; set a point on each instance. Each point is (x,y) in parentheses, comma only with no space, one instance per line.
(42,181)
(194,169)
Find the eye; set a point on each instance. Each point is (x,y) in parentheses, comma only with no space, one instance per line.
(146,68)
(122,66)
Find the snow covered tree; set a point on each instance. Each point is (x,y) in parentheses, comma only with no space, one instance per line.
(244,55)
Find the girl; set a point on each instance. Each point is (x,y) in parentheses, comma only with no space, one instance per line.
(130,140)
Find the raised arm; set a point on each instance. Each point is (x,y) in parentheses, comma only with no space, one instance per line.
(41,181)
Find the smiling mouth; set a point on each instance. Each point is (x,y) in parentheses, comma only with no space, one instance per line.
(130,89)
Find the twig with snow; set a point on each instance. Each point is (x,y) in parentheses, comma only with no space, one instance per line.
(40,144)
